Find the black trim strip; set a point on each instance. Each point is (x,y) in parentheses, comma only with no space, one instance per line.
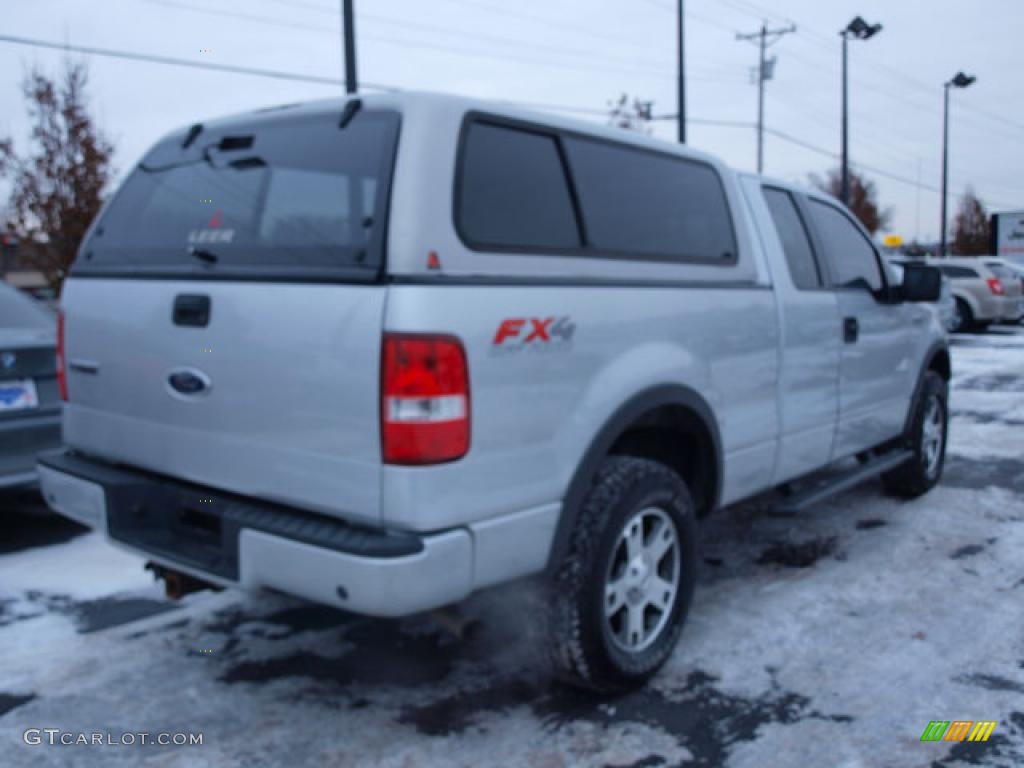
(141,508)
(342,276)
(583,282)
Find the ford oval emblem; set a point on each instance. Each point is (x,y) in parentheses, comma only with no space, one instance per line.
(7,360)
(188,382)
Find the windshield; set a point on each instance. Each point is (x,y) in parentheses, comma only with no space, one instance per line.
(296,195)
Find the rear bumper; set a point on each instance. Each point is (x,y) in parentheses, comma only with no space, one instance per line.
(235,541)
(1013,309)
(20,440)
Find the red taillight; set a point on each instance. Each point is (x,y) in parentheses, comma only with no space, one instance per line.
(62,379)
(424,399)
(995,286)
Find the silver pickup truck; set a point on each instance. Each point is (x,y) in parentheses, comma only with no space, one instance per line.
(384,352)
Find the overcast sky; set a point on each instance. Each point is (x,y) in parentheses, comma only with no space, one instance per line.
(580,54)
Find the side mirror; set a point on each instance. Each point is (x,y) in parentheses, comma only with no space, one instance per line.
(921,283)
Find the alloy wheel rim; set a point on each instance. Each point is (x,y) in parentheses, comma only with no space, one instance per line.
(932,435)
(642,580)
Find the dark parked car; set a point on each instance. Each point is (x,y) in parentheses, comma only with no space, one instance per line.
(29,400)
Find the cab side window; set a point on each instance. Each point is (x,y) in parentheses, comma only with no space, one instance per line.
(852,255)
(796,244)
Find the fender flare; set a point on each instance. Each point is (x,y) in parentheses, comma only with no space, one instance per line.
(934,350)
(626,415)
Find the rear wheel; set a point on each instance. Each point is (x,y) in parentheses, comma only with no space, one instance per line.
(927,440)
(619,599)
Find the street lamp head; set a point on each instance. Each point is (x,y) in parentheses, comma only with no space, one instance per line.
(861,29)
(961,80)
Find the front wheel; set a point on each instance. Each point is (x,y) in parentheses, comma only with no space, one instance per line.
(928,433)
(619,599)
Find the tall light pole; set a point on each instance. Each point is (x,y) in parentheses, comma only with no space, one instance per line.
(861,30)
(960,80)
(682,74)
(348,26)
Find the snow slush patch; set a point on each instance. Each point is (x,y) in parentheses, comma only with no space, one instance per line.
(707,721)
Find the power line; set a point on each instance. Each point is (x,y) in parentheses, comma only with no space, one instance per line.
(560,50)
(826,42)
(336,82)
(497,11)
(583,60)
(864,166)
(690,14)
(170,60)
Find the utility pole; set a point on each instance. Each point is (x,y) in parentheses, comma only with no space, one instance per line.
(348,26)
(765,37)
(682,74)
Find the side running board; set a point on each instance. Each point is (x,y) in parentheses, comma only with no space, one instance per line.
(817,492)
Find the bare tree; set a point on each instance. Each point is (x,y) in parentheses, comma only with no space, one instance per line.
(635,116)
(59,181)
(972,235)
(863,198)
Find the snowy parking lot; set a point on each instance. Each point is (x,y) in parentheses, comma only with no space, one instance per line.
(828,639)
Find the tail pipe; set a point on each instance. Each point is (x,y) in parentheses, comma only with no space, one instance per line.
(177,584)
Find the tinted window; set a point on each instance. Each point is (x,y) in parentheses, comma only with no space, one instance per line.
(852,255)
(803,267)
(955,272)
(288,194)
(643,203)
(513,191)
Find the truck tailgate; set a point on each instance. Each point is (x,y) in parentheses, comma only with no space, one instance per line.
(287,406)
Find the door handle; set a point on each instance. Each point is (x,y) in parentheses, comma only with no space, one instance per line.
(83,366)
(851,329)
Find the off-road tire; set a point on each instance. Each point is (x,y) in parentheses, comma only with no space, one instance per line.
(582,649)
(913,478)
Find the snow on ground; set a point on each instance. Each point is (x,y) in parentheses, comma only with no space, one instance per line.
(828,639)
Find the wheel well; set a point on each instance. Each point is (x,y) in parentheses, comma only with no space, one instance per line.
(940,364)
(677,437)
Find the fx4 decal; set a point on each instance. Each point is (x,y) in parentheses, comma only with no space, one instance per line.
(533,333)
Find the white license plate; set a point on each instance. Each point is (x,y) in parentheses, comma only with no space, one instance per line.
(18,395)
